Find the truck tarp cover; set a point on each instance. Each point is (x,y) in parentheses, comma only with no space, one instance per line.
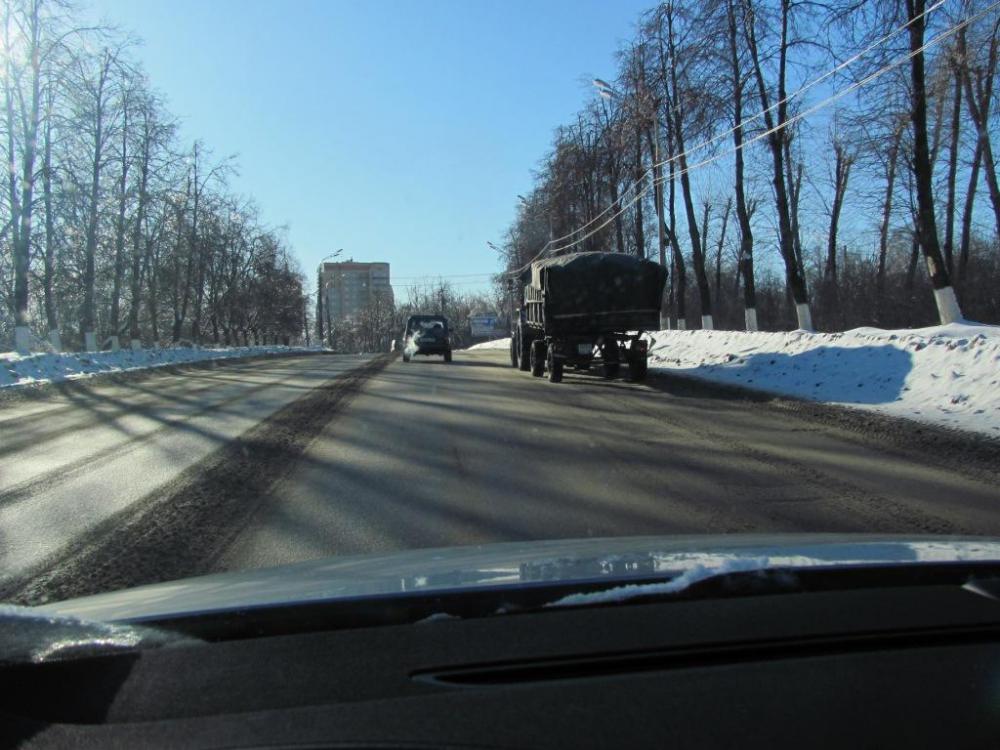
(600,291)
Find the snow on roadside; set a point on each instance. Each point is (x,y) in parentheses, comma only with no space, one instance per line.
(495,344)
(25,369)
(944,375)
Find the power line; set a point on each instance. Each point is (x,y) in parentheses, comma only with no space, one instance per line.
(797,93)
(832,98)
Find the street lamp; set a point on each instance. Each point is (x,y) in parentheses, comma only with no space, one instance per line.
(319,294)
(604,89)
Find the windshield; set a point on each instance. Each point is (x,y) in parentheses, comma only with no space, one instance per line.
(306,283)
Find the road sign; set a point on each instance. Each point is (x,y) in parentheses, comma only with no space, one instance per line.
(482,325)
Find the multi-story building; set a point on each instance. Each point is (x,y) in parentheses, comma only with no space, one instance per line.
(349,287)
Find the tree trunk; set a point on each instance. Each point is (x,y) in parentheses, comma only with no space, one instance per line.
(135,292)
(953,149)
(842,171)
(25,206)
(944,294)
(661,239)
(49,274)
(970,198)
(727,209)
(677,118)
(87,319)
(794,281)
(119,261)
(979,94)
(680,270)
(640,237)
(746,269)
(883,235)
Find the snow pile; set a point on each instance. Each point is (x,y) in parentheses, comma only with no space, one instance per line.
(944,375)
(495,344)
(23,369)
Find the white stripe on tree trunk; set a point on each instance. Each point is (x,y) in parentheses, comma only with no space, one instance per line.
(947,305)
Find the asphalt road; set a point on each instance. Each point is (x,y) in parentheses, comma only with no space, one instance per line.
(430,454)
(120,485)
(73,460)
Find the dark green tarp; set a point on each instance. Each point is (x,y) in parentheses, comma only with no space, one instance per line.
(598,292)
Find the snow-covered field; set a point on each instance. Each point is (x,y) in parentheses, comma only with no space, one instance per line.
(943,375)
(24,369)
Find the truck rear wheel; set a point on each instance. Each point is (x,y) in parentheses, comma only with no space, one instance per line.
(555,367)
(638,369)
(538,358)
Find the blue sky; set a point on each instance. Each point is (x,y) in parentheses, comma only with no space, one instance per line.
(397,130)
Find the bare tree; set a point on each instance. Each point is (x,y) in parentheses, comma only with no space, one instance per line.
(776,122)
(944,294)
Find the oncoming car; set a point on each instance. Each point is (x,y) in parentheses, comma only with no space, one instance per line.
(427,335)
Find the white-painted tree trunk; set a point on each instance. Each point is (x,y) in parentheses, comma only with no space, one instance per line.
(136,344)
(805,317)
(89,341)
(947,305)
(681,324)
(707,323)
(22,339)
(664,321)
(55,340)
(750,317)
(115,343)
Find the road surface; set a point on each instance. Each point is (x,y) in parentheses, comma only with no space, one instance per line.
(72,461)
(428,454)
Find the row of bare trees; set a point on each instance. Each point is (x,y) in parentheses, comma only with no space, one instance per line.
(112,231)
(798,159)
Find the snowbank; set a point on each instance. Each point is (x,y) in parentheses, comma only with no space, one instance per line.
(495,344)
(944,375)
(23,369)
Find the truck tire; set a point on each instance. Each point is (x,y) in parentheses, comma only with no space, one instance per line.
(638,369)
(611,358)
(538,358)
(555,368)
(523,351)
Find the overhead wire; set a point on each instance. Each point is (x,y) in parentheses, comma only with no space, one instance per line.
(832,98)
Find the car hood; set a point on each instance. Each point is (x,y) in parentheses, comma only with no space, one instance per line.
(512,564)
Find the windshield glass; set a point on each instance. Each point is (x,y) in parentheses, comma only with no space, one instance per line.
(438,326)
(292,283)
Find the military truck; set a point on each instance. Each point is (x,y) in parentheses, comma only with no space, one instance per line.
(579,309)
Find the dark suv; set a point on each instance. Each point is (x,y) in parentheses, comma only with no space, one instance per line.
(426,334)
